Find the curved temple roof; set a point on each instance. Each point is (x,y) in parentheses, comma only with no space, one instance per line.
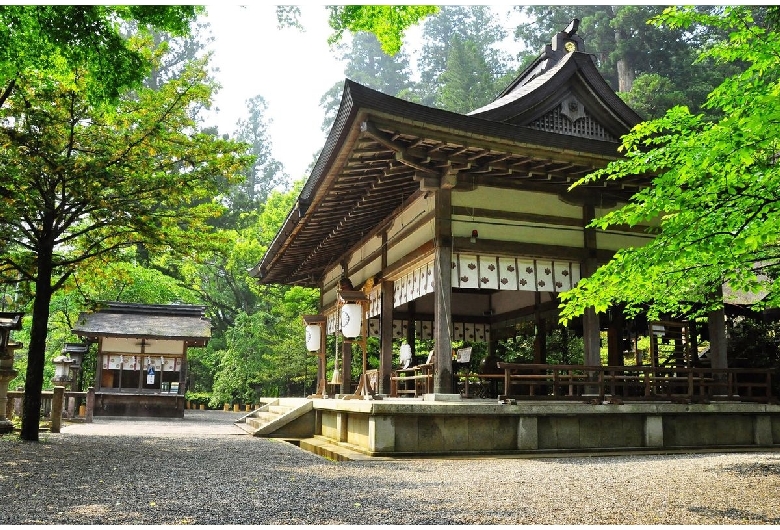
(174,322)
(555,123)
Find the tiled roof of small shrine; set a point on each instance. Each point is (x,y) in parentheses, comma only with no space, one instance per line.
(173,322)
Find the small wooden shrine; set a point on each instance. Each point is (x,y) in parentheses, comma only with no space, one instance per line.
(142,356)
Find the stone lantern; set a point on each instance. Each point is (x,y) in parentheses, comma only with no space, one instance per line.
(8,322)
(62,370)
(76,351)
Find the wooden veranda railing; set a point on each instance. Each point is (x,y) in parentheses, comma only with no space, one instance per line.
(543,381)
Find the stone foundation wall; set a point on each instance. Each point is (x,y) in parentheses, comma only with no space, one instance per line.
(489,429)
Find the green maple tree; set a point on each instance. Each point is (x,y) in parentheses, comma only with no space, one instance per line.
(715,189)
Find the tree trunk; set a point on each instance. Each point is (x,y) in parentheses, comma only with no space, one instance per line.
(625,75)
(625,70)
(36,356)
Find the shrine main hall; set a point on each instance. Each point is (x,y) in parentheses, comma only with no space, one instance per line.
(453,228)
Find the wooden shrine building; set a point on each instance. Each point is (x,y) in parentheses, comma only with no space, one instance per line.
(453,227)
(141,365)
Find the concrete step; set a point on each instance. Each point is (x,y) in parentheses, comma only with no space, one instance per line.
(337,452)
(280,409)
(274,415)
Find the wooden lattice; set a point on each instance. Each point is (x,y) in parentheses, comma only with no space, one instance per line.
(586,127)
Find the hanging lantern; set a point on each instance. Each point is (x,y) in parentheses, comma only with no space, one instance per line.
(351,317)
(313,338)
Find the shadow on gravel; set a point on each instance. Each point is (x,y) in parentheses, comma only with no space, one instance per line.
(734,514)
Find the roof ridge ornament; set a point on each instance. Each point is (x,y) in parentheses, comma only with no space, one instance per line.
(563,43)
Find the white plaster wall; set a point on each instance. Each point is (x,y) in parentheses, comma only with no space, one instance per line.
(401,246)
(506,230)
(132,345)
(365,250)
(515,201)
(616,241)
(409,216)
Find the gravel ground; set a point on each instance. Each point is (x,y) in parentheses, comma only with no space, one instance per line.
(205,470)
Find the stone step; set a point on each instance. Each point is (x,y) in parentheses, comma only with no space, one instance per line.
(265,415)
(274,415)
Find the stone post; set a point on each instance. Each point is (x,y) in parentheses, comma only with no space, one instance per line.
(57,404)
(90,404)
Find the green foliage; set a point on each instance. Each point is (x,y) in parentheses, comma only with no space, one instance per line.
(198,398)
(387,22)
(82,182)
(461,68)
(652,95)
(265,174)
(263,349)
(468,82)
(95,180)
(265,353)
(714,188)
(56,40)
(367,64)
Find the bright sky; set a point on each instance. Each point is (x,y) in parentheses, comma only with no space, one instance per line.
(289,68)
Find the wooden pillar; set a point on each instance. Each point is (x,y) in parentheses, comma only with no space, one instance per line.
(90,405)
(322,358)
(540,340)
(99,364)
(410,326)
(590,319)
(346,367)
(57,404)
(442,268)
(386,337)
(615,338)
(716,321)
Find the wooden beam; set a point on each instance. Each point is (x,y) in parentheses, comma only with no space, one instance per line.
(401,154)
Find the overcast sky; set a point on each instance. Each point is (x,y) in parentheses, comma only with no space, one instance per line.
(289,68)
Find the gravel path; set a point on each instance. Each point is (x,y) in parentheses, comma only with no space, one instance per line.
(205,470)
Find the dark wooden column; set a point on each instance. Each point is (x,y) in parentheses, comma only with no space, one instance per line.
(615,338)
(346,367)
(442,268)
(590,319)
(716,322)
(410,325)
(386,337)
(540,340)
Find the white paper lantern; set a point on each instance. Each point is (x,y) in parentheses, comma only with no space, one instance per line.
(312,337)
(351,317)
